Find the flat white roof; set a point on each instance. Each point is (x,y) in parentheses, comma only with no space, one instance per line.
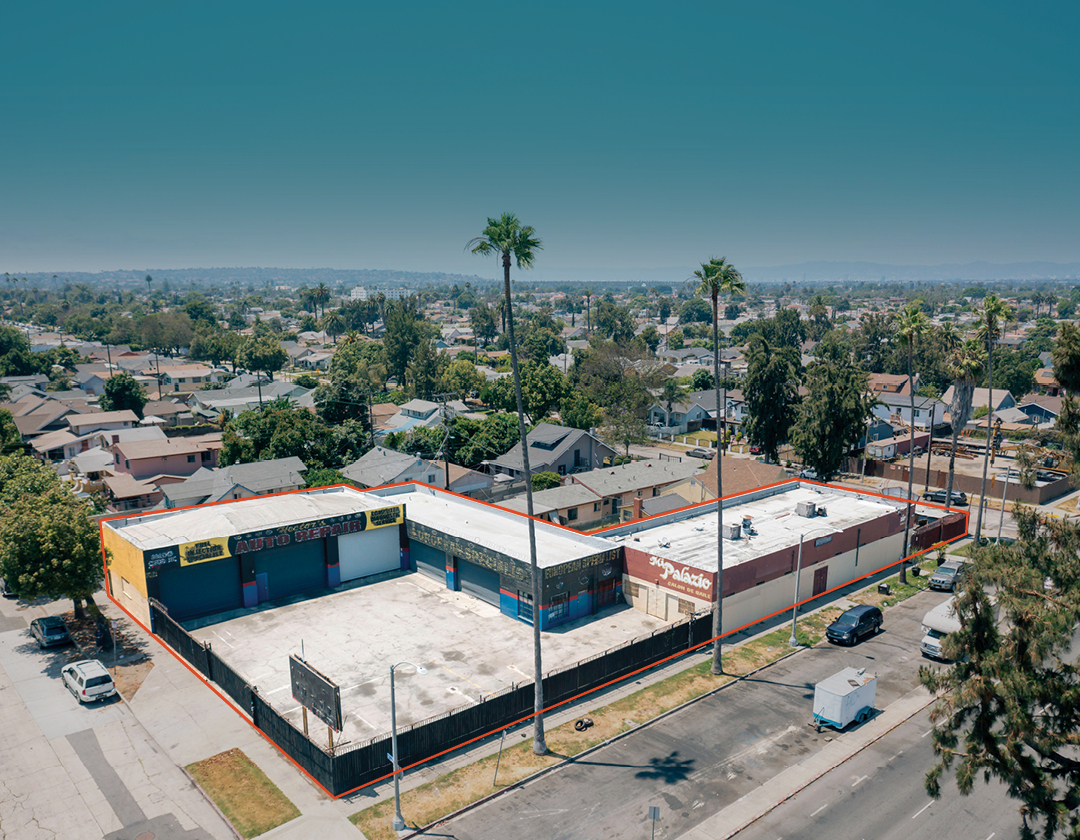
(692,540)
(240,517)
(497,530)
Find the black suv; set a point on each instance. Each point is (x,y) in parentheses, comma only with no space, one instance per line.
(855,624)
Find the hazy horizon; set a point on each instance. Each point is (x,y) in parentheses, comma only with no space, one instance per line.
(634,139)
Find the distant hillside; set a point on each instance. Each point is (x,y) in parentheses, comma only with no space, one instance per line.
(261,277)
(816,272)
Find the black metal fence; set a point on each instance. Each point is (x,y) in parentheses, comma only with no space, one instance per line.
(356,764)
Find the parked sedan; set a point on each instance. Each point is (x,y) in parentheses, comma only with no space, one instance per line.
(855,624)
(698,452)
(49,631)
(938,496)
(947,576)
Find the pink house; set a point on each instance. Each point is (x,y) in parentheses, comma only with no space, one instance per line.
(175,456)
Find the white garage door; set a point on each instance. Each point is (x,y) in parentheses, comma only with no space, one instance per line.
(368,553)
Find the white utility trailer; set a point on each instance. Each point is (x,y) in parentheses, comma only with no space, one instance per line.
(844,697)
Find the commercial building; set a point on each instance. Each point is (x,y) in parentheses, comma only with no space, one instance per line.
(216,558)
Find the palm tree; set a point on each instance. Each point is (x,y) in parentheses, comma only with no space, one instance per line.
(717,277)
(992,319)
(911,324)
(506,236)
(321,295)
(587,294)
(965,365)
(333,323)
(671,393)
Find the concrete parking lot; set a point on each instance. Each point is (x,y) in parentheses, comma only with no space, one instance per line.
(467,646)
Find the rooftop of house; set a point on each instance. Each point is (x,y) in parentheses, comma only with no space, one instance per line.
(139,449)
(380,466)
(614,481)
(258,477)
(77,421)
(741,475)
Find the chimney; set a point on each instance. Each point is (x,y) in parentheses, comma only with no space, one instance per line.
(637,508)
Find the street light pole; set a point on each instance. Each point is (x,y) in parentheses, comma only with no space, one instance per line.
(399,821)
(793,641)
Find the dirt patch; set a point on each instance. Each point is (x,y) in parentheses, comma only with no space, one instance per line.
(247,798)
(122,652)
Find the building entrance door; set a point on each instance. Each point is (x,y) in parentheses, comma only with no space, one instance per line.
(821,580)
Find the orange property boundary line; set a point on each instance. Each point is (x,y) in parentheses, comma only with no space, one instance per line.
(244,717)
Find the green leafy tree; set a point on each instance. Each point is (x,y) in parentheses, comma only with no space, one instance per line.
(306,380)
(16,358)
(462,378)
(214,345)
(508,238)
(48,545)
(485,327)
(578,413)
(324,478)
(473,441)
(261,353)
(542,389)
(771,394)
(281,430)
(545,481)
(426,369)
(1009,705)
(124,393)
(694,311)
(832,418)
(404,331)
(199,309)
(614,321)
(702,380)
(650,337)
(10,438)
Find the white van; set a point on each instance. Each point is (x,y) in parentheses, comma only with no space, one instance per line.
(936,625)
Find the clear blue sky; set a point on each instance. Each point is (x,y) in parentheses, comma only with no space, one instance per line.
(631,135)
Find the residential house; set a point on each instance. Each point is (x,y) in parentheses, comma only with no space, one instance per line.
(188,378)
(238,481)
(316,360)
(101,421)
(1042,409)
(680,417)
(740,476)
(173,456)
(381,466)
(49,417)
(465,481)
(980,398)
(556,449)
(63,445)
(423,413)
(210,404)
(170,413)
(1046,382)
(38,381)
(588,499)
(896,408)
(890,383)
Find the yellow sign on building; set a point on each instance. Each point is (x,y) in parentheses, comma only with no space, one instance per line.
(204,551)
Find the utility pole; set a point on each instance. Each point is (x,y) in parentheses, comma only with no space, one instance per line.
(446,438)
(929,451)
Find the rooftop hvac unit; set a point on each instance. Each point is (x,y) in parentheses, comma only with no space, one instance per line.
(731,530)
(807,509)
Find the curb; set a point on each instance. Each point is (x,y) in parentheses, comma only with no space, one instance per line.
(416,832)
(213,804)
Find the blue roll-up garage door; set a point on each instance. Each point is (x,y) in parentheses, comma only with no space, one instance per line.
(201,588)
(429,561)
(292,569)
(479,582)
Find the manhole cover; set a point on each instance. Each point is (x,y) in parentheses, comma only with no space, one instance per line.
(146,835)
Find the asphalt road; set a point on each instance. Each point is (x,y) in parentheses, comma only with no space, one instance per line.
(879,795)
(696,762)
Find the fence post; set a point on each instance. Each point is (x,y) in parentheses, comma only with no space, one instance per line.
(207,651)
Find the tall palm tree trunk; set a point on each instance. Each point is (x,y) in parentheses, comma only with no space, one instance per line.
(989,431)
(952,461)
(718,604)
(911,464)
(539,744)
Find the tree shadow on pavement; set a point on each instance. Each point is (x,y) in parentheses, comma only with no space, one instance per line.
(670,769)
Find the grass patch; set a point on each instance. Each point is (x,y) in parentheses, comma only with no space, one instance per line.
(247,798)
(431,801)
(898,591)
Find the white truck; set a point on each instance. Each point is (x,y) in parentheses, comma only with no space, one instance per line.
(844,697)
(936,625)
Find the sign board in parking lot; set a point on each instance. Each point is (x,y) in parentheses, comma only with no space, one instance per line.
(315,691)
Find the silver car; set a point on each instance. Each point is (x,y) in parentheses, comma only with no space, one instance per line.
(947,576)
